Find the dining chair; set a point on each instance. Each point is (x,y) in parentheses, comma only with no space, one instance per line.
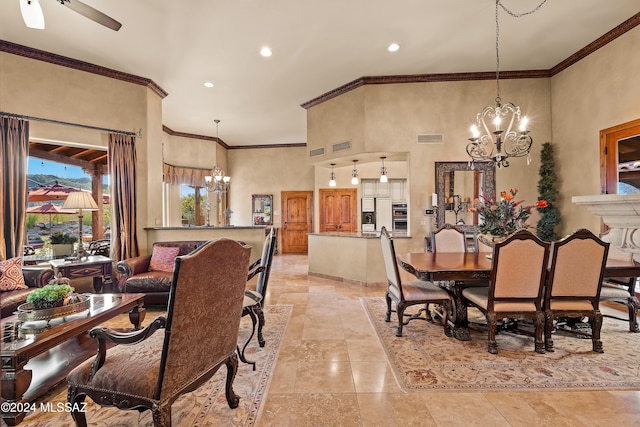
(621,289)
(149,371)
(575,278)
(515,289)
(409,293)
(448,238)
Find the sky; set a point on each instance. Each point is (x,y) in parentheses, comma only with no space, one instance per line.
(47,167)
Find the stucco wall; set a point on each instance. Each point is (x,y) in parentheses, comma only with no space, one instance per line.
(598,92)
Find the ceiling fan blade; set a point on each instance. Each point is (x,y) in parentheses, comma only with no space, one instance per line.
(91,13)
(32,14)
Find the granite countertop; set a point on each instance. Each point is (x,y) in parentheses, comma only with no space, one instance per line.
(208,227)
(360,234)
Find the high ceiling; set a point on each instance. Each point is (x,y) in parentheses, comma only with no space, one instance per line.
(317,46)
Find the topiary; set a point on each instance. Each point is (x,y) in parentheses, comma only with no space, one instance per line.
(548,190)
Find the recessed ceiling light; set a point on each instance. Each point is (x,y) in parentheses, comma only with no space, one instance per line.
(393,47)
(208,84)
(265,51)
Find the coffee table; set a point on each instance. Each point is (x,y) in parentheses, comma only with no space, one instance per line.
(34,363)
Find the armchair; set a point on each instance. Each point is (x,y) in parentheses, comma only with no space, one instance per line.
(138,277)
(150,371)
(34,277)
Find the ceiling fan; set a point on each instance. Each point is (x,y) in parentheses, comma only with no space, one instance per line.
(34,18)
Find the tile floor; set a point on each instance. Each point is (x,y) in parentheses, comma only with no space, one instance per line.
(331,371)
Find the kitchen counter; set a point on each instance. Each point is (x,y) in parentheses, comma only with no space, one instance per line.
(362,234)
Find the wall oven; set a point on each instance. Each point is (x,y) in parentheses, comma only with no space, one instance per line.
(399,217)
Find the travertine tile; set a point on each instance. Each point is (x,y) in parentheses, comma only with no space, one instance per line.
(324,377)
(373,377)
(394,409)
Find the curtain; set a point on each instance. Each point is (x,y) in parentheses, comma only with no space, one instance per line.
(122,173)
(183,175)
(14,153)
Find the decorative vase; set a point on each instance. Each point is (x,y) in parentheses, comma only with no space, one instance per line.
(491,240)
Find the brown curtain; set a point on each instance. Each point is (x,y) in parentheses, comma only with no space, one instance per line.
(14,153)
(183,175)
(122,173)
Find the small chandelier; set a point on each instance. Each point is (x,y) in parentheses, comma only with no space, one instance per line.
(217,182)
(354,174)
(332,177)
(383,171)
(503,141)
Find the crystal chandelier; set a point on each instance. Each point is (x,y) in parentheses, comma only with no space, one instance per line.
(217,182)
(494,135)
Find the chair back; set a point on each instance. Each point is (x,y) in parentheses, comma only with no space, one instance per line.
(577,267)
(448,238)
(391,264)
(267,256)
(203,314)
(518,273)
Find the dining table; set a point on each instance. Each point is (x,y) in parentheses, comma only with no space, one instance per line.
(455,271)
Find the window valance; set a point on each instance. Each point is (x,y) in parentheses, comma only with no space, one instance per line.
(184,175)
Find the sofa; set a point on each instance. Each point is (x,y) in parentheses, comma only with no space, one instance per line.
(151,274)
(34,277)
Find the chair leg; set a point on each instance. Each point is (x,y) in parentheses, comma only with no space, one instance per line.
(548,327)
(232,367)
(539,342)
(427,313)
(446,307)
(633,306)
(75,399)
(596,325)
(162,416)
(400,312)
(492,326)
(261,322)
(387,318)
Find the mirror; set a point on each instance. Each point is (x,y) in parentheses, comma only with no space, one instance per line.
(457,185)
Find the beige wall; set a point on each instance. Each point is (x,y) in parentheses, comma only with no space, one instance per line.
(44,90)
(600,91)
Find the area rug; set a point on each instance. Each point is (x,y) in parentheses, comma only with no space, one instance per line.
(206,406)
(425,359)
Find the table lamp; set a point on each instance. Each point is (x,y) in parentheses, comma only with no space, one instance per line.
(80,200)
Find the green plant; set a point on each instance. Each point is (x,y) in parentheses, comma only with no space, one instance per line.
(504,216)
(548,190)
(49,296)
(62,239)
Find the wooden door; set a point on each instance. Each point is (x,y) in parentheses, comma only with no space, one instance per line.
(338,209)
(297,220)
(611,155)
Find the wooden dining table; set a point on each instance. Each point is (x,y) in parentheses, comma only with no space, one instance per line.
(455,271)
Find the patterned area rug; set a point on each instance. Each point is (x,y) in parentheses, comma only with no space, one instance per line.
(205,406)
(425,359)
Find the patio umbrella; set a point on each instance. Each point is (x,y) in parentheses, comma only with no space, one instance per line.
(45,193)
(51,209)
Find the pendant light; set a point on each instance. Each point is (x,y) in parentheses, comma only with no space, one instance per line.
(383,171)
(354,174)
(332,177)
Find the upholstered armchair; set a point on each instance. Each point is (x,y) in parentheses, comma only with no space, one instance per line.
(151,274)
(199,334)
(448,238)
(12,295)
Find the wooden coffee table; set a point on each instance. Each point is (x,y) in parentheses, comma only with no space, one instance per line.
(33,363)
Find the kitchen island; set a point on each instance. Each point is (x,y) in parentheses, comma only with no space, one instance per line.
(352,257)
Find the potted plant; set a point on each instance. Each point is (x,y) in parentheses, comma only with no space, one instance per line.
(62,244)
(49,296)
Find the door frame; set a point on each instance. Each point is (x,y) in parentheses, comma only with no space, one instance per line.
(609,153)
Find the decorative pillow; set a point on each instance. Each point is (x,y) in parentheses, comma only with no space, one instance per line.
(11,277)
(162,258)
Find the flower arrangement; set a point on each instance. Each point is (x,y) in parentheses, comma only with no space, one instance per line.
(505,216)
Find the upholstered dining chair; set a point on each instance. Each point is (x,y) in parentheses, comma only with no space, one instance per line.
(621,289)
(516,286)
(150,371)
(261,268)
(573,286)
(410,293)
(448,238)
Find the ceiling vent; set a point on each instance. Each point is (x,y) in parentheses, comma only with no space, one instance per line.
(316,152)
(342,146)
(431,138)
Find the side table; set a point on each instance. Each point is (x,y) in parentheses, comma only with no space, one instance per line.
(96,266)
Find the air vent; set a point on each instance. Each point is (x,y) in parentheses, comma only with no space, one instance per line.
(431,138)
(342,146)
(316,152)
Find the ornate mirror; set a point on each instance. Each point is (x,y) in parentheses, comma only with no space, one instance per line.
(457,185)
